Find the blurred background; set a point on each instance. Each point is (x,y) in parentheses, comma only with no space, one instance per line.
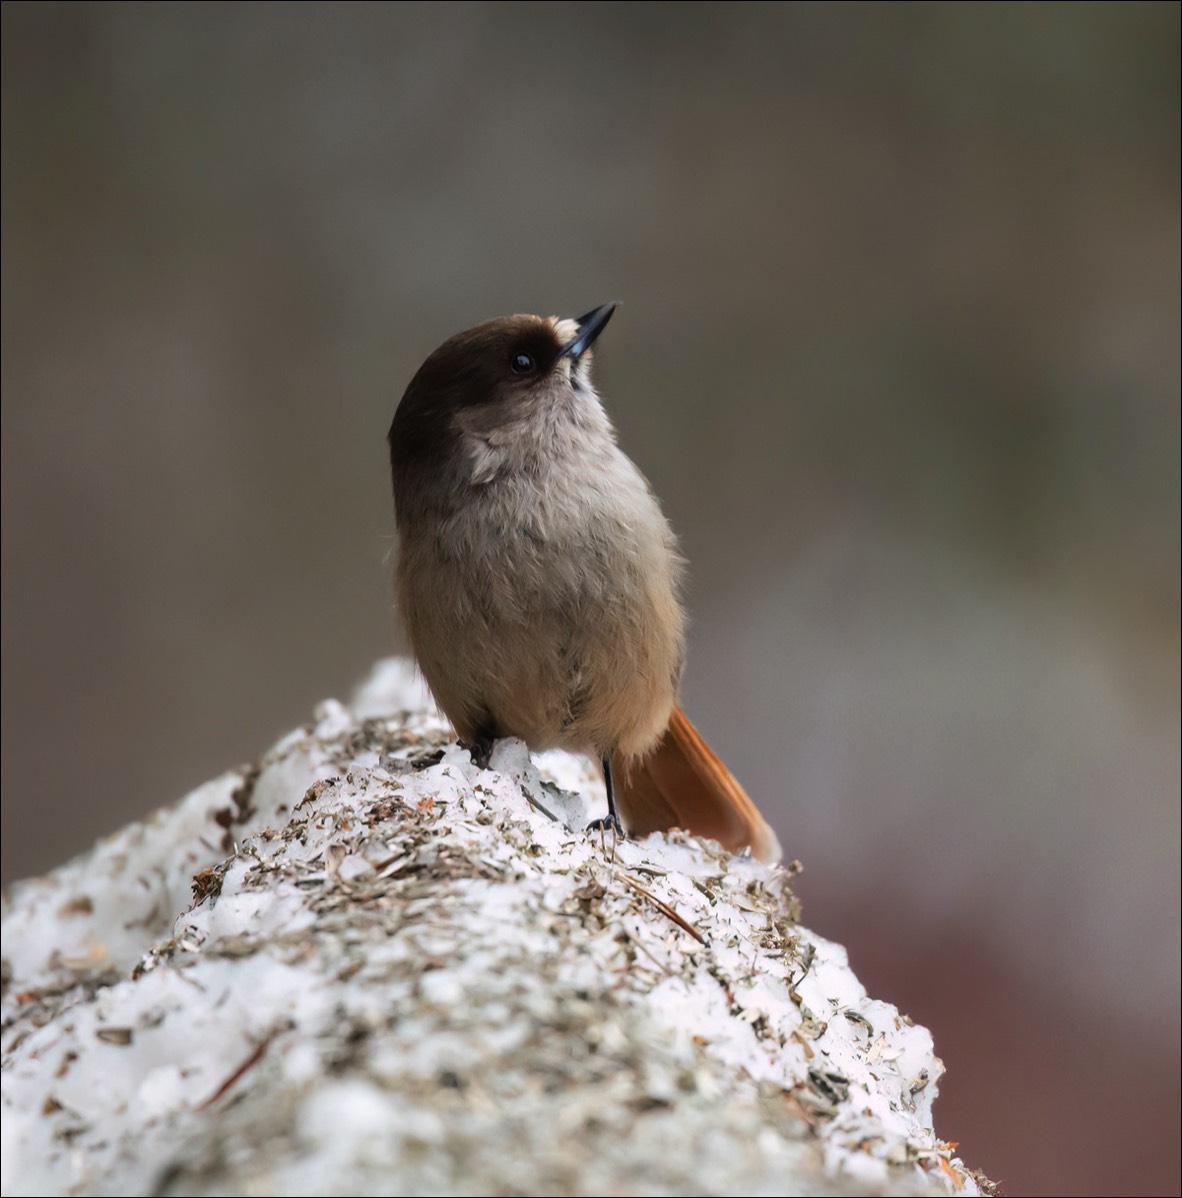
(899,351)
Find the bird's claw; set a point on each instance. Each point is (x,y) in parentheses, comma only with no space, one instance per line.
(609,823)
(481,751)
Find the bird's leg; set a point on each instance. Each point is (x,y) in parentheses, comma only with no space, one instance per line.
(613,816)
(612,820)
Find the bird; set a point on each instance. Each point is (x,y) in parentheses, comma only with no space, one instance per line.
(538,581)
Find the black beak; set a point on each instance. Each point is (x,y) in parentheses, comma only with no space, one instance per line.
(590,326)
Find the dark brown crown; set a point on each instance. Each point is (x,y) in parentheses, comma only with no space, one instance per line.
(481,366)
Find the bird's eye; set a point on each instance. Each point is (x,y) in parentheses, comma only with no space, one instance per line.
(524,364)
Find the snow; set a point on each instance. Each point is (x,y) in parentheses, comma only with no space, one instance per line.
(368,966)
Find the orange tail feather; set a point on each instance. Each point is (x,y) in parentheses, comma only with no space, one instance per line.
(683,784)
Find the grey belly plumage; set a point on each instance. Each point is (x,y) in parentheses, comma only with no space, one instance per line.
(571,638)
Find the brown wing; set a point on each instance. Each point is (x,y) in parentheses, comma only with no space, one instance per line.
(683,784)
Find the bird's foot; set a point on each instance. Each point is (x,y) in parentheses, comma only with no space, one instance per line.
(481,750)
(609,823)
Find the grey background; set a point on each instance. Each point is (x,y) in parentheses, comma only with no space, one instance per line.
(898,349)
